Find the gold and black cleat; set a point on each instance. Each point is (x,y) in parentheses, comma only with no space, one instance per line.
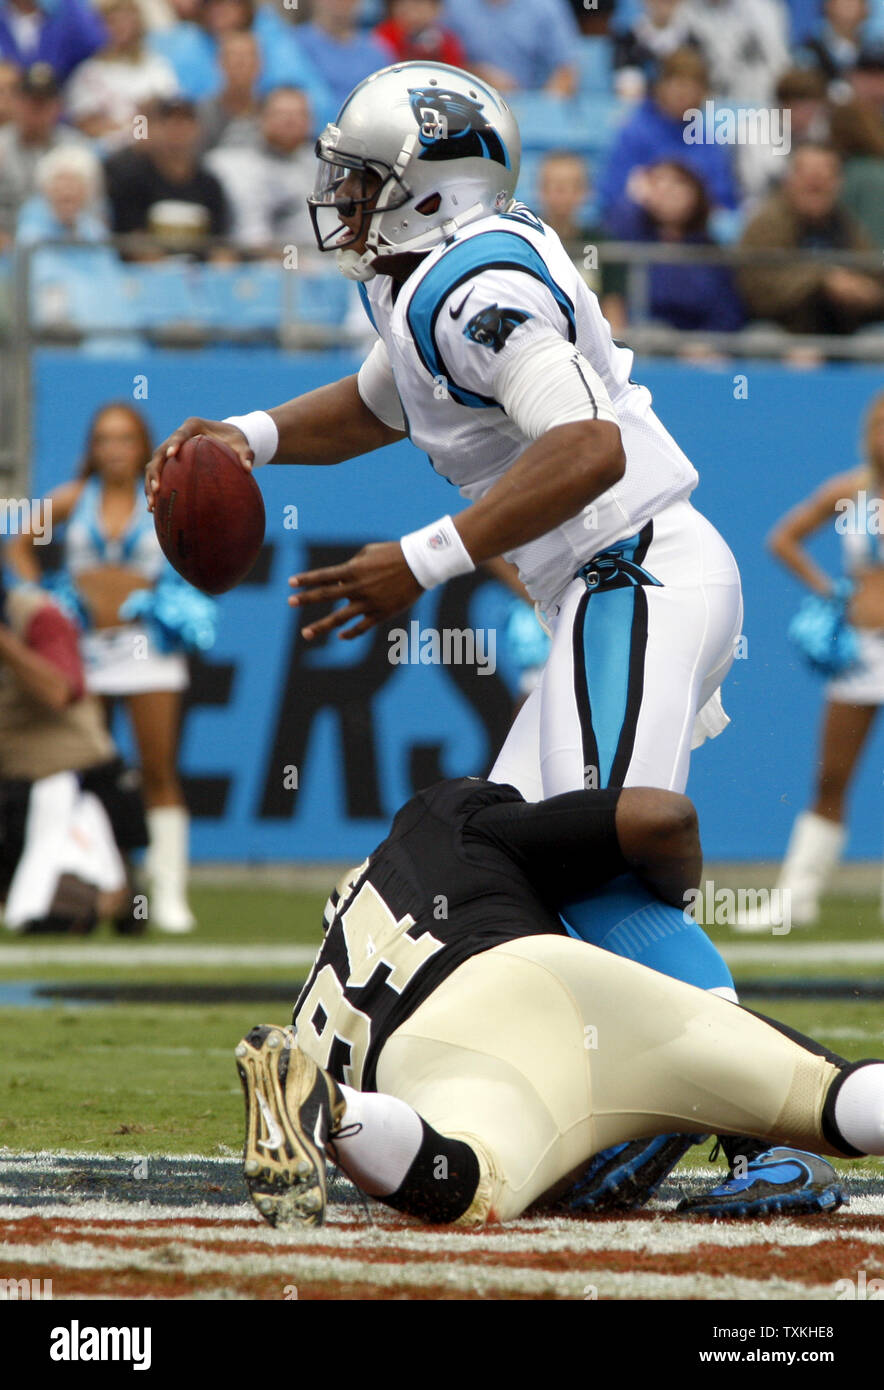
(291,1107)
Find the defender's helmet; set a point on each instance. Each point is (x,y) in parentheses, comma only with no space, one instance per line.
(438,147)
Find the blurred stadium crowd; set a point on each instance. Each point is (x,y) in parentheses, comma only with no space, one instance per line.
(186,128)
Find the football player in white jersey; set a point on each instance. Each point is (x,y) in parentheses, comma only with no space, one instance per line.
(494,357)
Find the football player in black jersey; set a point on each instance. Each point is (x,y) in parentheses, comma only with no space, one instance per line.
(462,1058)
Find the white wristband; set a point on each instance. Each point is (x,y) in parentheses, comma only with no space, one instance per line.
(436,553)
(261,433)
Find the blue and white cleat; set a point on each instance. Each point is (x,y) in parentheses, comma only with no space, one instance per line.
(627,1175)
(786,1181)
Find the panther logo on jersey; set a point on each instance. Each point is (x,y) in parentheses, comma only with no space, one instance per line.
(453,127)
(492,326)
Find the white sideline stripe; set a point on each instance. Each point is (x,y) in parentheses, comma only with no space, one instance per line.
(767,950)
(789,951)
(853,1034)
(158,953)
(48,1160)
(141,1047)
(478,1278)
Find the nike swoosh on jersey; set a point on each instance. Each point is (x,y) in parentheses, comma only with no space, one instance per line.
(275,1137)
(456,313)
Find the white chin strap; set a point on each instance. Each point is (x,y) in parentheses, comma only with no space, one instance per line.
(356,266)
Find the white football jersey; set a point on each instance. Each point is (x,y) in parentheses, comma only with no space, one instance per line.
(455,324)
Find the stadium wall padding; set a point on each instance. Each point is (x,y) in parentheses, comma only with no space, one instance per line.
(358,734)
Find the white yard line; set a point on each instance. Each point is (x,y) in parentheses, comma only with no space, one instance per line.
(853,1034)
(59,1160)
(766,950)
(156,953)
(789,950)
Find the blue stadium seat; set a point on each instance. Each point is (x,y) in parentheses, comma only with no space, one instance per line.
(80,287)
(546,122)
(600,117)
(587,124)
(594,61)
(168,295)
(319,298)
(245,299)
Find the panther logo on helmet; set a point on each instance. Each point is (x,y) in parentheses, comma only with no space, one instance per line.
(452,126)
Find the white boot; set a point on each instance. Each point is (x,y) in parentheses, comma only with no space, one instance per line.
(166,865)
(815,847)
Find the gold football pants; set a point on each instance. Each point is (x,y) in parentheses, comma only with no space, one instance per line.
(544,1051)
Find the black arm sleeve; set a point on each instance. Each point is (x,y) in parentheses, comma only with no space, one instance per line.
(566,846)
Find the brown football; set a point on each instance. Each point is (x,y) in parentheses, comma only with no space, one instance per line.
(209,515)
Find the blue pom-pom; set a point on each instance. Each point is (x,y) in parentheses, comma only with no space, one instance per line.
(177,615)
(823,635)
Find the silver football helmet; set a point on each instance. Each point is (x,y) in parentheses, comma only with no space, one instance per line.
(418,150)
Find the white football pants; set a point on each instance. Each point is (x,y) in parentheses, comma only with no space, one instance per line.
(633,662)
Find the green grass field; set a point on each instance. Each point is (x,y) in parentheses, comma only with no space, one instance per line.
(145,1078)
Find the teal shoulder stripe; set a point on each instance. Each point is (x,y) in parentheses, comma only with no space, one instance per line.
(366,304)
(464,259)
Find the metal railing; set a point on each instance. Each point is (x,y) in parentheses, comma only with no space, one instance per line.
(186,324)
(298,327)
(761,339)
(294,330)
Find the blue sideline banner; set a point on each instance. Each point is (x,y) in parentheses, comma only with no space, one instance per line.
(294,750)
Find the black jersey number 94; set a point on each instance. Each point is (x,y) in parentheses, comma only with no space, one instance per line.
(369,950)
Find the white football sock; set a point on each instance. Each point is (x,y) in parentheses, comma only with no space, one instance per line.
(859,1109)
(378,1156)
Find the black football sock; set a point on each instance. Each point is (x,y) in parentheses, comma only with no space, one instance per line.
(441,1182)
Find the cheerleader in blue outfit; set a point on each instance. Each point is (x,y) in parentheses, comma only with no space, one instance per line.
(139,618)
(840,631)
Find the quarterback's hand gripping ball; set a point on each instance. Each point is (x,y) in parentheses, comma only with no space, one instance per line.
(209,515)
